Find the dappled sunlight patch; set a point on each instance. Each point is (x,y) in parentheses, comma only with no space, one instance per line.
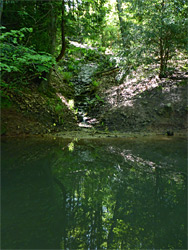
(87,122)
(124,94)
(140,164)
(71,146)
(134,160)
(138,161)
(63,99)
(80,45)
(69,103)
(84,125)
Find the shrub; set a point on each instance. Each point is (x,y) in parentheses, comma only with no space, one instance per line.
(20,64)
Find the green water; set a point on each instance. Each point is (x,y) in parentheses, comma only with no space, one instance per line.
(94,194)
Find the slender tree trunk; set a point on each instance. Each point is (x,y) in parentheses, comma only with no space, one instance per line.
(99,214)
(63,217)
(52,34)
(63,43)
(52,29)
(161,42)
(114,221)
(121,21)
(157,208)
(1,10)
(162,63)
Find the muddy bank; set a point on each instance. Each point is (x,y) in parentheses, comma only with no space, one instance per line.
(74,135)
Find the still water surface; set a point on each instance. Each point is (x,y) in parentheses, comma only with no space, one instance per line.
(94,194)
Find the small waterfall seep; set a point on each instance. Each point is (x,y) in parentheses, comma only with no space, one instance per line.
(83,96)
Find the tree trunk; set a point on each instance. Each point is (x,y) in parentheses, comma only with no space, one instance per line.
(161,42)
(121,21)
(52,29)
(63,46)
(1,10)
(114,221)
(162,62)
(52,34)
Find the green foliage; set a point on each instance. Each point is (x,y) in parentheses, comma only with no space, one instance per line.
(86,20)
(95,83)
(5,101)
(14,35)
(59,111)
(58,108)
(185,67)
(38,15)
(5,94)
(99,98)
(80,53)
(20,64)
(67,76)
(106,62)
(154,31)
(151,31)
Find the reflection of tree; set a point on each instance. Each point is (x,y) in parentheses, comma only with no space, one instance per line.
(117,200)
(113,225)
(63,217)
(170,210)
(157,207)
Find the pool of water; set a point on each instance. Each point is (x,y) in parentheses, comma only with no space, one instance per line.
(94,194)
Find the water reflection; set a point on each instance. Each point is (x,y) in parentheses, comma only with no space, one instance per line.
(114,194)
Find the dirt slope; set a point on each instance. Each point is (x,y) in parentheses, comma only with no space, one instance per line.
(31,112)
(149,104)
(136,105)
